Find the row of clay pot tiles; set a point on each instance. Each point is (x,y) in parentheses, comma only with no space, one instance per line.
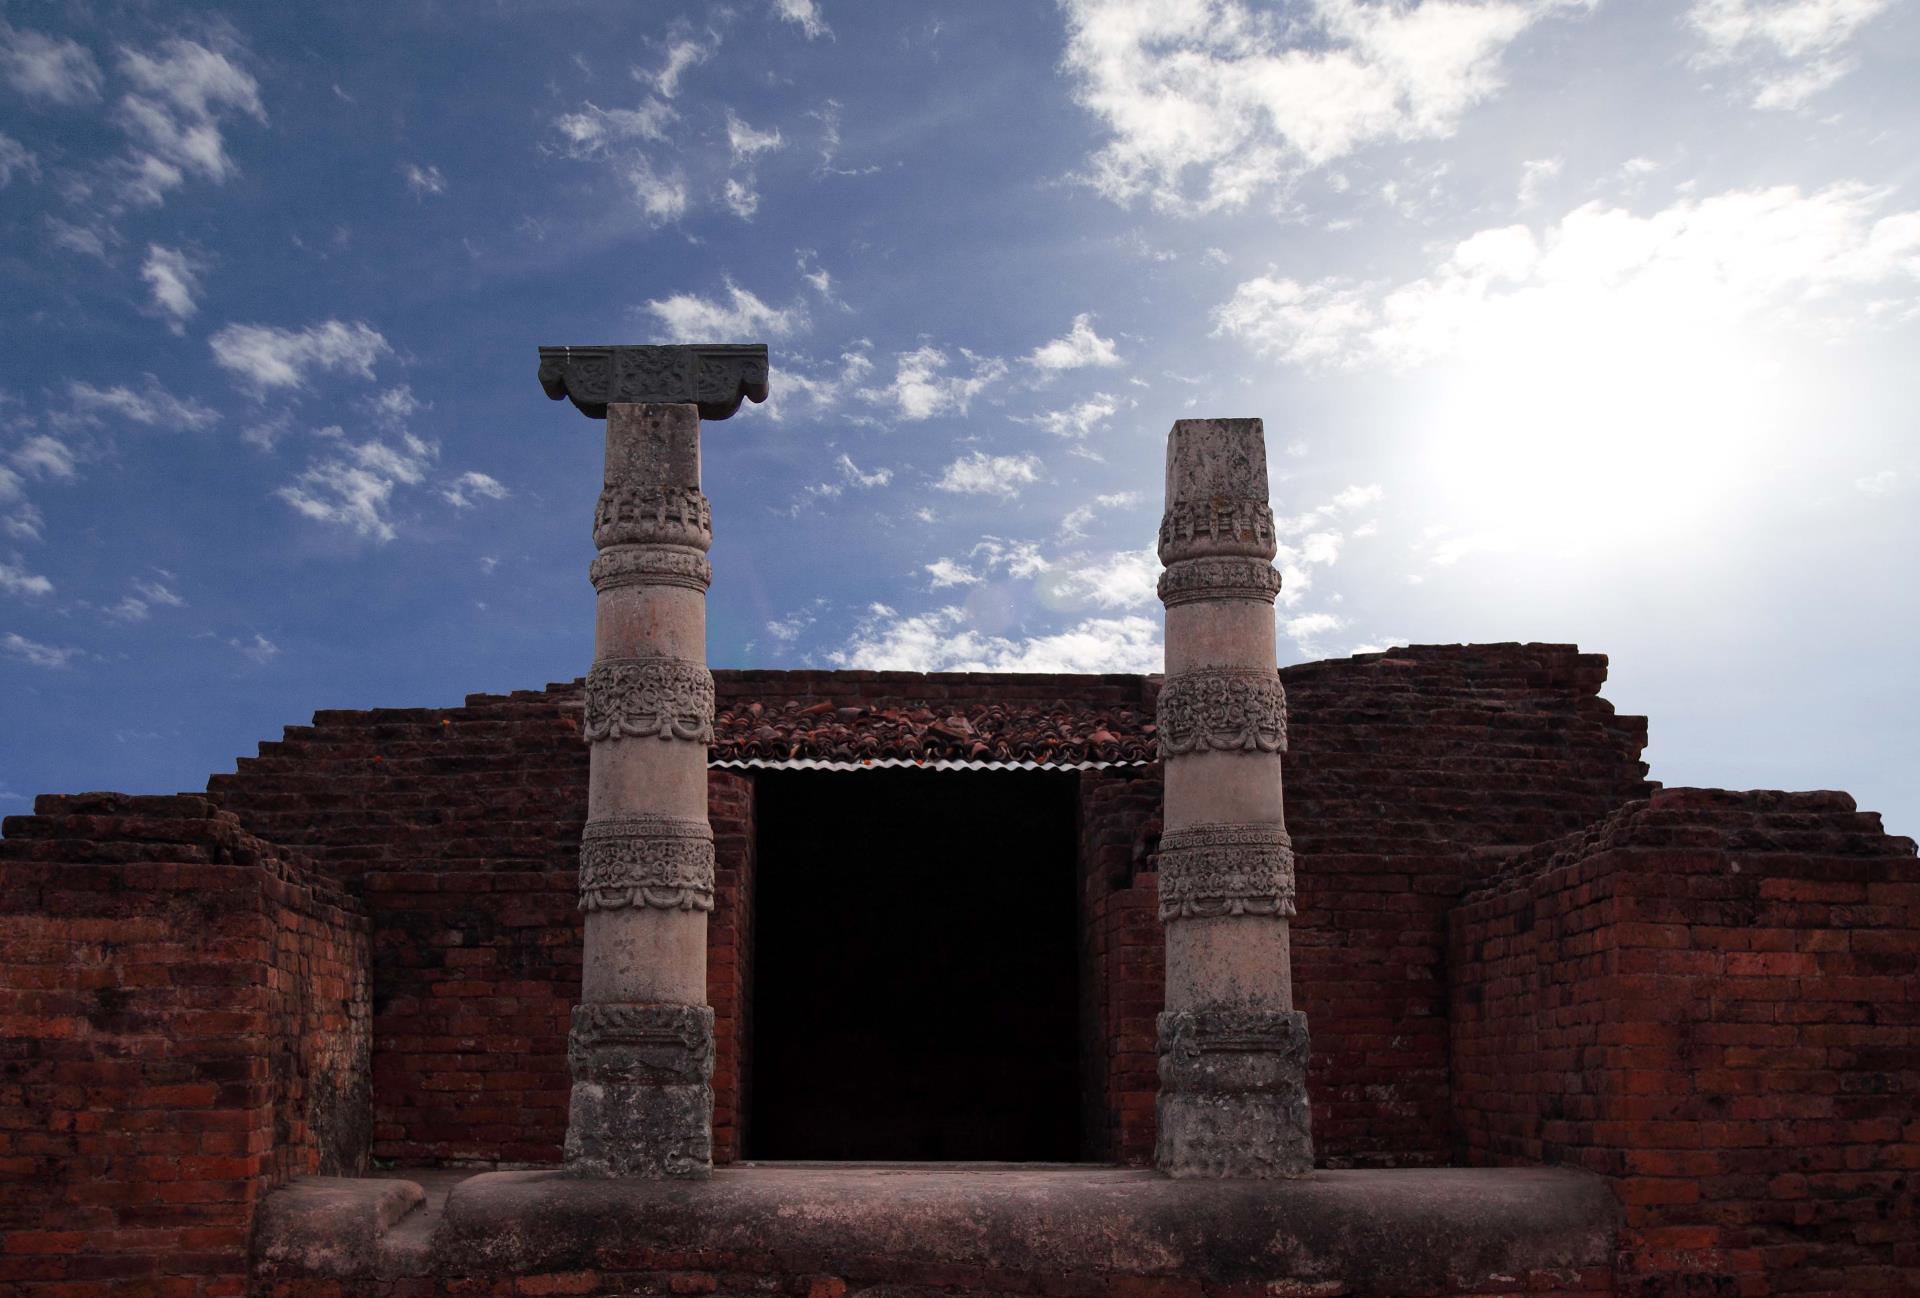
(987,732)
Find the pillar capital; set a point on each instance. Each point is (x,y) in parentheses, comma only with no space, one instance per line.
(1216,491)
(716,377)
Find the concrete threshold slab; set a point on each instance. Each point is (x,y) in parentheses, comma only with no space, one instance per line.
(981,1228)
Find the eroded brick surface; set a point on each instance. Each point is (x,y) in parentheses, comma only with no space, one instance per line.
(184,1022)
(1710,998)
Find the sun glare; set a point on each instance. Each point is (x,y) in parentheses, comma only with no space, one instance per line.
(1599,417)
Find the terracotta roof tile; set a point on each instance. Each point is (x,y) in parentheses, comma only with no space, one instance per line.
(1060,734)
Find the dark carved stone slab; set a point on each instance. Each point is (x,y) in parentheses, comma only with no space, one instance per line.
(717,377)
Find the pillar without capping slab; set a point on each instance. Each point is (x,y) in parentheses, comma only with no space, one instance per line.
(1233,1050)
(641,1048)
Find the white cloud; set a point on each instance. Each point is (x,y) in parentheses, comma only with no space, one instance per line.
(16,580)
(741,197)
(921,389)
(591,132)
(1247,96)
(740,318)
(16,159)
(181,94)
(790,628)
(1534,175)
(683,53)
(469,488)
(819,389)
(87,240)
(853,474)
(1124,579)
(1078,420)
(396,405)
(596,134)
(818,277)
(1306,631)
(260,649)
(946,572)
(1883,483)
(43,456)
(805,14)
(1081,347)
(263,435)
(992,475)
(35,654)
(1774,253)
(747,143)
(158,592)
(153,406)
(266,356)
(52,68)
(354,489)
(1018,558)
(174,278)
(662,196)
(1117,499)
(1793,48)
(942,641)
(21,520)
(424,181)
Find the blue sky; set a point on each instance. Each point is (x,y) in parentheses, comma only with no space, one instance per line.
(1570,320)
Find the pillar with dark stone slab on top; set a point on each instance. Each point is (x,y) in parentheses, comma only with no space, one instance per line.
(1233,1050)
(641,1049)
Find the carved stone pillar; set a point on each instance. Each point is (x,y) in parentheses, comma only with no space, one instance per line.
(1233,1051)
(641,1050)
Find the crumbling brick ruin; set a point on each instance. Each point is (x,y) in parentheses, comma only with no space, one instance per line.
(362,948)
(1571,1033)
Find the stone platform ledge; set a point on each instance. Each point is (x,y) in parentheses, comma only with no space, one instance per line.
(1050,1229)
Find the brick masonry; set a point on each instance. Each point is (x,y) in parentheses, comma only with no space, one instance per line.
(399,884)
(1711,999)
(183,1024)
(1411,773)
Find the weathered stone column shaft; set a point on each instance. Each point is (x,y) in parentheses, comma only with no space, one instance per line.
(641,1050)
(1233,1051)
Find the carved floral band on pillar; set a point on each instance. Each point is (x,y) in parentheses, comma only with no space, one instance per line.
(1192,529)
(651,565)
(1227,708)
(642,1099)
(631,514)
(1209,870)
(646,860)
(642,698)
(1223,577)
(1239,1079)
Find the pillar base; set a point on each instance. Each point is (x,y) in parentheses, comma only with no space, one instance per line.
(642,1101)
(1233,1094)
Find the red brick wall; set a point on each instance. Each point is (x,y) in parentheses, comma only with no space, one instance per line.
(1123,962)
(1711,998)
(183,1023)
(461,826)
(730,958)
(1411,774)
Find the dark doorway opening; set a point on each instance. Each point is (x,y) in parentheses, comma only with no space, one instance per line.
(915,966)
